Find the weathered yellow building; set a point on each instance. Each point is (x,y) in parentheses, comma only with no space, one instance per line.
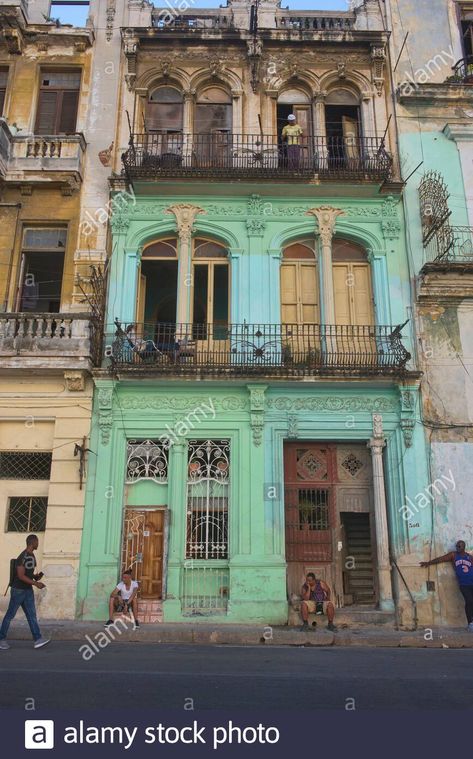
(48,337)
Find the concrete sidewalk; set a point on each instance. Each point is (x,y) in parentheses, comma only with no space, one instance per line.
(246,635)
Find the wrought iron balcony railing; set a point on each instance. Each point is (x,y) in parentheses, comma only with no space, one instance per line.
(224,155)
(450,246)
(261,349)
(463,71)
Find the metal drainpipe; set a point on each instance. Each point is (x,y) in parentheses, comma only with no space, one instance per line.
(12,253)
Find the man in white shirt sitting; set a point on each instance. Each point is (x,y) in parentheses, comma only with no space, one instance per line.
(124,598)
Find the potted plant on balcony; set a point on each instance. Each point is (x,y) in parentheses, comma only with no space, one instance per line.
(286,354)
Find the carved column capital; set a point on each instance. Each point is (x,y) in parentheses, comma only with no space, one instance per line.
(327,218)
(185,214)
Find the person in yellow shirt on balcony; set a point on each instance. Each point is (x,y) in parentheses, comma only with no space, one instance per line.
(292,137)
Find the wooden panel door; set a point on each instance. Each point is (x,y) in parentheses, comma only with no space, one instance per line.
(352,292)
(299,301)
(153,552)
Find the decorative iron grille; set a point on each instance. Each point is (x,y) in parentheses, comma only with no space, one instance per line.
(207,499)
(308,533)
(27,514)
(133,542)
(434,210)
(23,465)
(146,460)
(205,590)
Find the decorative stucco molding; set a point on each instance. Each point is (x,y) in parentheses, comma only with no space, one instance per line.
(75,381)
(333,404)
(257,412)
(181,403)
(105,414)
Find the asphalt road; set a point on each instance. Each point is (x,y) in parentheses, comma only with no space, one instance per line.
(164,676)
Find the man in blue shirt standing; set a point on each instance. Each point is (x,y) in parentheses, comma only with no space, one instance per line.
(463,565)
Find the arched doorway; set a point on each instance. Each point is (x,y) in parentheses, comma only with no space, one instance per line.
(343,127)
(297,102)
(354,307)
(163,122)
(210,304)
(352,284)
(157,290)
(299,284)
(213,127)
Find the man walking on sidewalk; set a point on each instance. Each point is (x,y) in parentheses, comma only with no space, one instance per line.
(463,565)
(22,594)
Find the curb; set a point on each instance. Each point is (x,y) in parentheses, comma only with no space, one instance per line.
(242,635)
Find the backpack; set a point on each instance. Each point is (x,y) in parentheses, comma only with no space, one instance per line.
(12,574)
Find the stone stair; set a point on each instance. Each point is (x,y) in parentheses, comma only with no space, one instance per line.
(150,611)
(350,616)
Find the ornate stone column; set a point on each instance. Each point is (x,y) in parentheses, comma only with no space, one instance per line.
(188,111)
(376,445)
(319,117)
(326,217)
(185,214)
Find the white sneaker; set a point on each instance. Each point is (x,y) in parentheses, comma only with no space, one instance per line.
(4,646)
(470,627)
(42,642)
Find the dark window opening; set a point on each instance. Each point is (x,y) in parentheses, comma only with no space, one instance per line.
(58,102)
(25,465)
(467,35)
(340,120)
(27,514)
(41,270)
(159,298)
(3,88)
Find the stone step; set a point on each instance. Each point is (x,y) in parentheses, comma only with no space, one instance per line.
(352,616)
(150,610)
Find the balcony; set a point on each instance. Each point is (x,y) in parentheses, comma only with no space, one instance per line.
(42,341)
(30,157)
(288,350)
(451,248)
(227,156)
(166,22)
(462,71)
(317,22)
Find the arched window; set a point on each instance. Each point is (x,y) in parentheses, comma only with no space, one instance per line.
(157,286)
(342,116)
(164,111)
(299,284)
(351,284)
(210,295)
(213,111)
(297,102)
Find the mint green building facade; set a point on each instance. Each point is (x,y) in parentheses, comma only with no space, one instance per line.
(257,414)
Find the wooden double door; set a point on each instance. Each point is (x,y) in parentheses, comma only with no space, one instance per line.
(143,549)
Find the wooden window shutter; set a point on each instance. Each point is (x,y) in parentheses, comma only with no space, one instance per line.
(47,109)
(68,117)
